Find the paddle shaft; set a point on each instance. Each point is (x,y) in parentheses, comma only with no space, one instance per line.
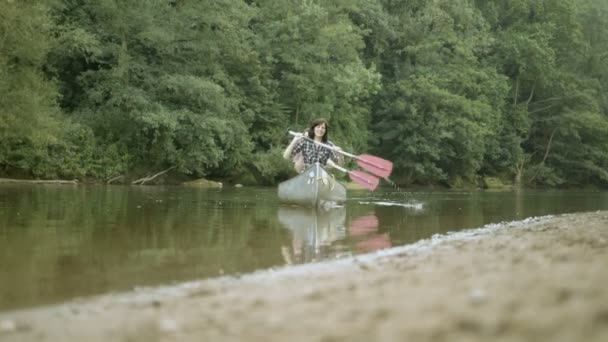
(376,165)
(295,134)
(336,166)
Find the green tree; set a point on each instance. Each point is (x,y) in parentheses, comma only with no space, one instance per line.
(160,82)
(538,47)
(440,101)
(29,117)
(313,52)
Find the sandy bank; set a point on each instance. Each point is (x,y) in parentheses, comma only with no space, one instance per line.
(541,279)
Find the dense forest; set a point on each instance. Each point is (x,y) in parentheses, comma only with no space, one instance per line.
(452,91)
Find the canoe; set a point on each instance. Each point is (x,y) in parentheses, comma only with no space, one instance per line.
(315,187)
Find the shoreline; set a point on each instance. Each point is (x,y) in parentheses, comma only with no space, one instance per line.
(538,279)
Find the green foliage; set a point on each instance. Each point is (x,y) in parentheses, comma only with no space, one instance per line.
(28,114)
(140,94)
(441,103)
(270,167)
(312,51)
(447,90)
(539,49)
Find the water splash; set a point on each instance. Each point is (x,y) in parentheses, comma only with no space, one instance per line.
(393,184)
(415,206)
(403,200)
(395,187)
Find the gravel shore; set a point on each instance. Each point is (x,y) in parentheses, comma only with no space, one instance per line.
(541,279)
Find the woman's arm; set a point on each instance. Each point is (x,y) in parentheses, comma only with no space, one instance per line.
(336,156)
(288,151)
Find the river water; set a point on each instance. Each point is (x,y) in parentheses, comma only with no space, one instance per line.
(62,242)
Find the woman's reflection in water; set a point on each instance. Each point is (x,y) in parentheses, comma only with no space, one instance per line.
(319,235)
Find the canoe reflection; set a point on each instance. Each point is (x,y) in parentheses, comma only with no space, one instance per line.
(318,235)
(313,232)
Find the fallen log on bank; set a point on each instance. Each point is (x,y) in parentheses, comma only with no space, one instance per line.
(38,181)
(142,181)
(111,180)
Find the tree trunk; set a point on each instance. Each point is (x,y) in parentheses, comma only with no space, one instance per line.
(549,146)
(519,172)
(547,149)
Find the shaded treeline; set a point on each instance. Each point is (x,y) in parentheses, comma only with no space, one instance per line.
(450,90)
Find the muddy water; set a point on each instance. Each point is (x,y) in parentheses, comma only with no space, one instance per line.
(62,242)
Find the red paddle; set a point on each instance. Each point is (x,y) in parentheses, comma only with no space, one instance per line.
(376,165)
(364,179)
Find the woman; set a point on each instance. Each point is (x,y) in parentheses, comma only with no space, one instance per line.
(306,152)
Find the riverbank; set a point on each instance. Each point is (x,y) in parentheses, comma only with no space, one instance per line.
(540,279)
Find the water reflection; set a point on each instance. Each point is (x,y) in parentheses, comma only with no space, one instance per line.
(313,233)
(364,230)
(318,234)
(58,242)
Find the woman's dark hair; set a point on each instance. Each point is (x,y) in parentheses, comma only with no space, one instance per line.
(315,123)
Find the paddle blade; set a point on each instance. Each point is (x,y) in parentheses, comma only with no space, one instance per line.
(376,165)
(366,180)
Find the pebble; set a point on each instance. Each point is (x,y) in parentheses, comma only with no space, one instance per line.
(478,296)
(167,326)
(8,326)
